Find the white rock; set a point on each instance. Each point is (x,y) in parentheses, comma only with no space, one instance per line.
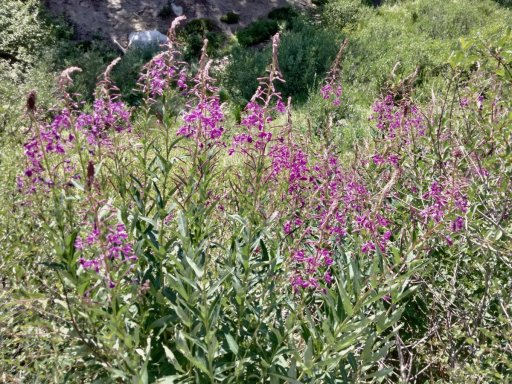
(146,38)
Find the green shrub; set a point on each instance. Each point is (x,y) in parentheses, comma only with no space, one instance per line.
(24,36)
(440,19)
(283,14)
(305,54)
(91,56)
(126,73)
(194,33)
(166,10)
(342,13)
(505,3)
(230,18)
(244,68)
(257,32)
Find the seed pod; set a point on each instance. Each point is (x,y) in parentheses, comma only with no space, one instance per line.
(31,101)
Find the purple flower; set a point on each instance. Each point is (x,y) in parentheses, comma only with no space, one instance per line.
(457,224)
(109,245)
(333,90)
(480,102)
(391,118)
(287,227)
(368,247)
(377,159)
(182,80)
(325,91)
(280,106)
(393,160)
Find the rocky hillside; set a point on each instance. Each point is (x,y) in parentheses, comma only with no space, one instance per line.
(115,19)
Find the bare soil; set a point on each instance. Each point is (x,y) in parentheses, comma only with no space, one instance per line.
(115,19)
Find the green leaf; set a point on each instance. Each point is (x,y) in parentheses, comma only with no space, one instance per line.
(386,322)
(368,346)
(172,359)
(380,373)
(287,379)
(347,305)
(163,321)
(197,270)
(182,224)
(308,354)
(233,346)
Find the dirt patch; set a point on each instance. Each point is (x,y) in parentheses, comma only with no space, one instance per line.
(115,19)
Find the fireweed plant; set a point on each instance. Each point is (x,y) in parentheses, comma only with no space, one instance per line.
(190,250)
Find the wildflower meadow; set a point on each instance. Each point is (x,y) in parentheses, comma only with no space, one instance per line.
(178,240)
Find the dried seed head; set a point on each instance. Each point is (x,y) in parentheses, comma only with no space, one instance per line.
(31,101)
(172,30)
(65,79)
(106,74)
(276,40)
(204,55)
(90,175)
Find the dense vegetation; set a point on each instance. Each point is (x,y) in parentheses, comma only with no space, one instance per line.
(316,205)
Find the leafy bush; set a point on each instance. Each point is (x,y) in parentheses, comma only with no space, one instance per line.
(193,34)
(166,10)
(452,21)
(230,18)
(257,32)
(304,54)
(244,68)
(23,34)
(287,14)
(342,13)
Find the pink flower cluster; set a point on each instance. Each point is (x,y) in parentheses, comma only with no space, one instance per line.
(163,69)
(204,115)
(107,116)
(203,121)
(397,119)
(313,267)
(55,139)
(257,134)
(106,246)
(46,139)
(332,90)
(327,205)
(441,199)
(258,114)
